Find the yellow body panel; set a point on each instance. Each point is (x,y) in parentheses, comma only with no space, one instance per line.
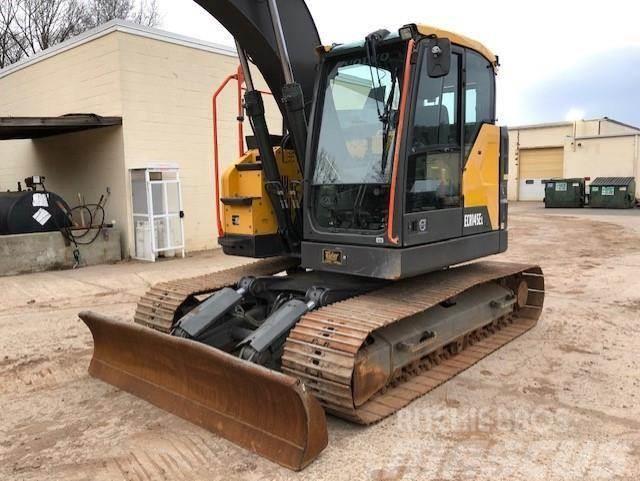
(480,180)
(458,40)
(258,218)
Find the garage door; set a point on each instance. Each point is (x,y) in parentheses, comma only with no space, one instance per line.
(535,166)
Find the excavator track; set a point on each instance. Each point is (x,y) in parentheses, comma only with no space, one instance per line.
(322,348)
(160,306)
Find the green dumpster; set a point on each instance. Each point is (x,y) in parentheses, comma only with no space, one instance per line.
(564,193)
(613,192)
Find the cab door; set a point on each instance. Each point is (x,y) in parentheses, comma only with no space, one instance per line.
(433,206)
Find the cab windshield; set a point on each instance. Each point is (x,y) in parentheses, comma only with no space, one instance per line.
(353,159)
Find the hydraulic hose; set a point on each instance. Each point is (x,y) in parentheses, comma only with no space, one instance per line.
(73,237)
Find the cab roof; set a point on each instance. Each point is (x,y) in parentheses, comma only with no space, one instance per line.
(459,40)
(427,30)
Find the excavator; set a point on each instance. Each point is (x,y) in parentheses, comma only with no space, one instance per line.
(363,219)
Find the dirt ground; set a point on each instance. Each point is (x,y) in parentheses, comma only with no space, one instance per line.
(559,403)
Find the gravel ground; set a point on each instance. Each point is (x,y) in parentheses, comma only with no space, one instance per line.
(559,403)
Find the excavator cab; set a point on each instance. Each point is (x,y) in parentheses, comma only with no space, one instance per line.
(405,166)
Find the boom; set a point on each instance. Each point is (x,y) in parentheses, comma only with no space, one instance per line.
(249,21)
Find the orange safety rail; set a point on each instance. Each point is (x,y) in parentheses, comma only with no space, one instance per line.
(239,78)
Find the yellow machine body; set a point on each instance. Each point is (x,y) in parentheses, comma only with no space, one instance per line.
(247,209)
(481,177)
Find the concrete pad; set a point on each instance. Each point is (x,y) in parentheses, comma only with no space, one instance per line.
(559,403)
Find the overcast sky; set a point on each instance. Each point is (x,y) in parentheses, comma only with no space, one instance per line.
(561,59)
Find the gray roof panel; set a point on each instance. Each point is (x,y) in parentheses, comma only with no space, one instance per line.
(612,181)
(37,127)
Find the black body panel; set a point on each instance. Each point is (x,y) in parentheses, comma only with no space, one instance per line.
(476,220)
(258,246)
(504,174)
(391,263)
(432,226)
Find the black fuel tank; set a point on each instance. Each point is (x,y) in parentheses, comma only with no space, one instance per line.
(28,211)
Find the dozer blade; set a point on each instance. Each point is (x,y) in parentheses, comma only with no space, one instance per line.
(264,411)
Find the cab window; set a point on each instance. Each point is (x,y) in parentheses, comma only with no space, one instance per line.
(478,91)
(433,170)
(436,120)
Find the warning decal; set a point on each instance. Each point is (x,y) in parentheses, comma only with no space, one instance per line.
(42,216)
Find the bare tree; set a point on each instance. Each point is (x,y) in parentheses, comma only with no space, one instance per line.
(148,13)
(29,26)
(10,50)
(34,25)
(144,12)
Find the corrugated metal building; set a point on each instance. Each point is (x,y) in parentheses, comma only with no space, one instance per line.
(585,148)
(161,85)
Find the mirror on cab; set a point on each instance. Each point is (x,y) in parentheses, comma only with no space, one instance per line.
(438,57)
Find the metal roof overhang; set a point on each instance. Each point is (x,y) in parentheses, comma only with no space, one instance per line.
(38,127)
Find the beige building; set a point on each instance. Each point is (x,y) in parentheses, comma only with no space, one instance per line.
(585,148)
(161,85)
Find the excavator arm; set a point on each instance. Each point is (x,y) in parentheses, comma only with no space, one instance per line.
(250,23)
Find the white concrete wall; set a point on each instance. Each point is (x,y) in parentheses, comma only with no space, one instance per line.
(89,163)
(527,139)
(602,156)
(608,127)
(84,79)
(43,251)
(167,110)
(85,162)
(17,160)
(603,127)
(590,127)
(162,89)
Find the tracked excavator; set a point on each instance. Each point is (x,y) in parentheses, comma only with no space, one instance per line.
(364,216)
